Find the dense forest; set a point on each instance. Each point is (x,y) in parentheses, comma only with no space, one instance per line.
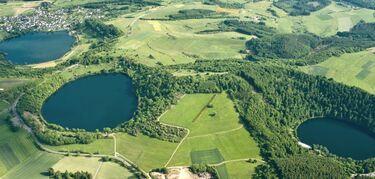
(98,29)
(224,4)
(258,29)
(370,4)
(310,49)
(301,7)
(196,14)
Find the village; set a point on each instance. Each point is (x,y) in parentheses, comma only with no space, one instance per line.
(43,19)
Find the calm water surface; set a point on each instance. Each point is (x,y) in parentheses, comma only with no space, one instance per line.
(37,47)
(92,102)
(341,138)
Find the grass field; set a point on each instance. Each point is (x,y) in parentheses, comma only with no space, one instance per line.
(16,8)
(15,148)
(19,157)
(35,167)
(199,121)
(212,139)
(10,83)
(111,170)
(101,146)
(148,153)
(103,170)
(174,42)
(239,169)
(355,69)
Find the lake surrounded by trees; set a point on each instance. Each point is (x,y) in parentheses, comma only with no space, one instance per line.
(339,137)
(37,47)
(92,102)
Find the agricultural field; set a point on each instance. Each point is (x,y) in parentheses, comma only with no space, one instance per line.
(99,169)
(148,153)
(35,167)
(154,42)
(216,135)
(19,154)
(17,8)
(15,147)
(355,69)
(11,83)
(101,146)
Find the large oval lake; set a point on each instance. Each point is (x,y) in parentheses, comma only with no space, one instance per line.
(341,138)
(92,102)
(36,47)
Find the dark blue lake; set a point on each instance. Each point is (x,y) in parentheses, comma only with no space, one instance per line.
(341,138)
(37,47)
(92,102)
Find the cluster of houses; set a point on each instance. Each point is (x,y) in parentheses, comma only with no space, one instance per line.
(43,19)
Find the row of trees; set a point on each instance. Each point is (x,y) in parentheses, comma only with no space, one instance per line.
(68,175)
(196,14)
(224,4)
(301,7)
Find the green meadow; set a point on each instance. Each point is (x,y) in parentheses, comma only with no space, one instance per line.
(100,146)
(216,134)
(354,69)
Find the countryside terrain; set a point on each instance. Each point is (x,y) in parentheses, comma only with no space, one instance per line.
(221,87)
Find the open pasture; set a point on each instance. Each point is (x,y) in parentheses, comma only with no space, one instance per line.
(19,157)
(100,146)
(148,153)
(154,42)
(355,69)
(216,134)
(15,148)
(14,8)
(11,83)
(35,167)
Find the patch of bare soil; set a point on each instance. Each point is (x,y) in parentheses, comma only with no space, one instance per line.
(179,173)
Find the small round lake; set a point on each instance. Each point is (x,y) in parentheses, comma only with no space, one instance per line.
(36,47)
(92,102)
(341,138)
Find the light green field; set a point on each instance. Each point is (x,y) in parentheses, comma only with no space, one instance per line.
(192,113)
(148,153)
(110,170)
(212,139)
(103,170)
(175,42)
(19,157)
(74,164)
(10,83)
(101,146)
(34,167)
(16,8)
(240,169)
(355,69)
(15,148)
